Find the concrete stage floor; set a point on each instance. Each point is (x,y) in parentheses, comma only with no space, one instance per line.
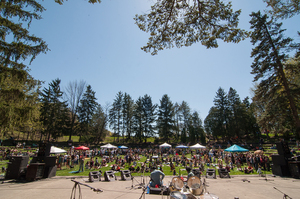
(243,187)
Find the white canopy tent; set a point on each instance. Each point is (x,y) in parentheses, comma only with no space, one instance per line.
(165,145)
(109,146)
(197,146)
(56,150)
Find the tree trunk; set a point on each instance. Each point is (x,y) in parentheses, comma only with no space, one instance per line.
(285,85)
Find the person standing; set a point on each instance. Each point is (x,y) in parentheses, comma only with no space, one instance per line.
(81,163)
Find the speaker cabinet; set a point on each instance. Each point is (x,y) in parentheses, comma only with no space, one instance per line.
(50,172)
(223,173)
(35,171)
(295,169)
(211,173)
(94,176)
(125,175)
(16,165)
(283,149)
(281,170)
(279,160)
(109,176)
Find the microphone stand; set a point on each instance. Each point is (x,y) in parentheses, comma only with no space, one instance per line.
(284,195)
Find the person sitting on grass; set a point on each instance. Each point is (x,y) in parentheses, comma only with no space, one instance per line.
(87,165)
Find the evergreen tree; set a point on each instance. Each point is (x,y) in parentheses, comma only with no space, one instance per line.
(138,119)
(127,112)
(235,113)
(177,121)
(186,116)
(149,116)
(284,8)
(182,23)
(269,57)
(86,111)
(165,120)
(115,114)
(221,104)
(54,113)
(18,88)
(212,123)
(196,131)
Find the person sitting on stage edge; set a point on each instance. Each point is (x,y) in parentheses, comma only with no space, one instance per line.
(156,178)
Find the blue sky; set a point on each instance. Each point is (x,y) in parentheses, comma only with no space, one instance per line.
(101,44)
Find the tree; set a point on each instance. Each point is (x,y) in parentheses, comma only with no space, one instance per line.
(18,88)
(165,119)
(138,124)
(221,104)
(86,111)
(90,1)
(127,112)
(99,123)
(115,114)
(268,66)
(73,94)
(177,121)
(186,116)
(182,23)
(196,131)
(54,114)
(149,116)
(284,8)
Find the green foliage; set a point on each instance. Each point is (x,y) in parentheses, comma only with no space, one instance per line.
(86,111)
(165,120)
(53,110)
(18,93)
(229,117)
(284,8)
(182,23)
(274,93)
(90,1)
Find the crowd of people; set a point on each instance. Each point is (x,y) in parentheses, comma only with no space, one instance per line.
(156,158)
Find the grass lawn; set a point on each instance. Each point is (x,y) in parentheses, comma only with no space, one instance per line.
(166,169)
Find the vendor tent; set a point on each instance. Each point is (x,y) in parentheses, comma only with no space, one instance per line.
(83,148)
(181,147)
(109,146)
(165,145)
(56,150)
(197,146)
(122,147)
(236,148)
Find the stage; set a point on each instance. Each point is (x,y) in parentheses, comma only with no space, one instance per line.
(243,187)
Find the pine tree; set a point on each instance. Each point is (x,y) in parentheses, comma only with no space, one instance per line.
(182,23)
(149,116)
(269,56)
(165,120)
(127,112)
(16,46)
(86,111)
(138,124)
(54,114)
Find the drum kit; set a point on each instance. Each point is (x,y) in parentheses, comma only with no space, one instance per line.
(193,188)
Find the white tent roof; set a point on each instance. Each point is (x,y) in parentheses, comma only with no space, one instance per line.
(197,146)
(165,145)
(109,146)
(56,150)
